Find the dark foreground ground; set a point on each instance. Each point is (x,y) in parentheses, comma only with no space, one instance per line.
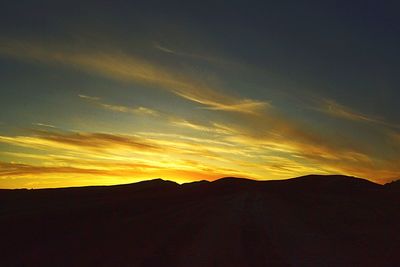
(307,221)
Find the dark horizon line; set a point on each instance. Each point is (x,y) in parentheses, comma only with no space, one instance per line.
(196,181)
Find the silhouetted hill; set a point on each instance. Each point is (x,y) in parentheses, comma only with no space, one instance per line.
(307,221)
(327,183)
(394,186)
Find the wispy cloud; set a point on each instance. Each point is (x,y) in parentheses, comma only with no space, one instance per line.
(172,119)
(245,106)
(90,98)
(335,109)
(131,68)
(78,141)
(212,128)
(120,108)
(46,125)
(165,49)
(115,146)
(195,56)
(16,169)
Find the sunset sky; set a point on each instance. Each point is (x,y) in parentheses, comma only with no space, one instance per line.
(111,92)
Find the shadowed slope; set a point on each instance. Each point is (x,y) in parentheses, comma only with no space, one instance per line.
(306,221)
(394,186)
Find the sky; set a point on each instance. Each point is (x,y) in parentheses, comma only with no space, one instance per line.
(112,92)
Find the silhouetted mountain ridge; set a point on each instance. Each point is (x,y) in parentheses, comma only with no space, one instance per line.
(311,181)
(329,183)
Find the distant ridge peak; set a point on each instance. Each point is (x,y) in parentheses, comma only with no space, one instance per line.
(334,177)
